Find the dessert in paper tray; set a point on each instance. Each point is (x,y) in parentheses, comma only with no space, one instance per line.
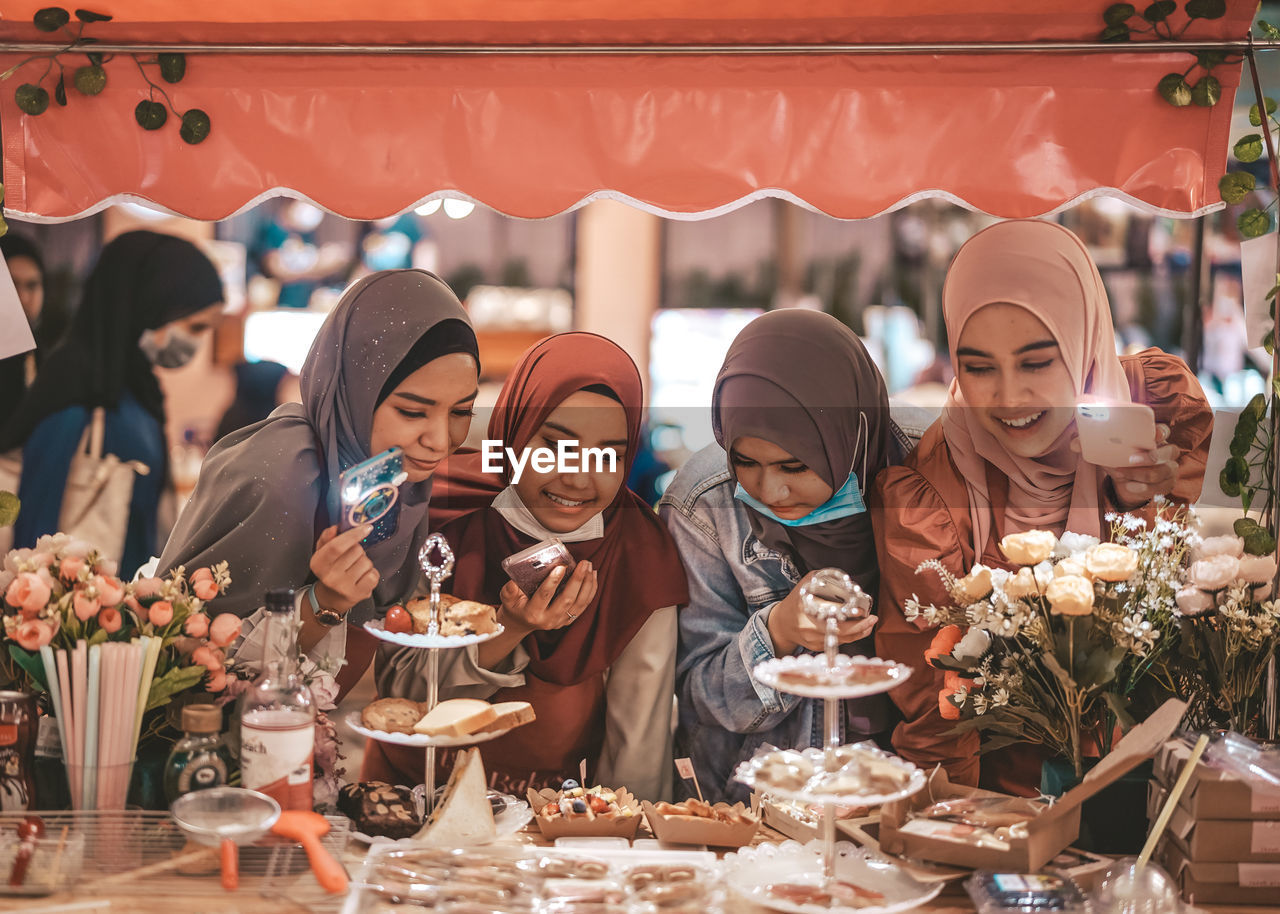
(577,812)
(696,822)
(463,816)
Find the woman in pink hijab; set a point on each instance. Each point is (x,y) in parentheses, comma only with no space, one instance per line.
(1030,332)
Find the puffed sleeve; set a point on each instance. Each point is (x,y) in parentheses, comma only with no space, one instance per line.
(912,524)
(1168,386)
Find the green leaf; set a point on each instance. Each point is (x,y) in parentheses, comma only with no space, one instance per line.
(1269,30)
(1206,9)
(1210,59)
(1275,386)
(1206,92)
(97,637)
(1228,485)
(172,67)
(1174,89)
(1100,667)
(1258,406)
(1269,342)
(60,90)
(1255,118)
(1119,706)
(1248,149)
(1159,11)
(31,99)
(90,16)
(1114,33)
(31,663)
(91,80)
(1237,470)
(1253,223)
(95,58)
(1242,440)
(1260,542)
(1234,186)
(1117,13)
(51,18)
(178,679)
(150,115)
(9,507)
(195,126)
(1243,526)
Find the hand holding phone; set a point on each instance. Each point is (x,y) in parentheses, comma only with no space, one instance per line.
(1132,448)
(369,493)
(530,567)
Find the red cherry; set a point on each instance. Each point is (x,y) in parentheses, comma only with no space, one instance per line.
(398,620)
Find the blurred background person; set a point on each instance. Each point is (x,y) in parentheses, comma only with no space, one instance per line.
(26,268)
(260,388)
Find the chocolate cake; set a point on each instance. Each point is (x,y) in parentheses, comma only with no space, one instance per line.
(379,809)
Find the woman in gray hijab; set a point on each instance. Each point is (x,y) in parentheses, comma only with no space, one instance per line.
(395,364)
(801,415)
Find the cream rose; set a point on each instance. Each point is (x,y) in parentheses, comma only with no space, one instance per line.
(1258,569)
(1021,585)
(1193,602)
(1072,566)
(1111,562)
(1214,572)
(1030,548)
(1070,595)
(1218,545)
(975,585)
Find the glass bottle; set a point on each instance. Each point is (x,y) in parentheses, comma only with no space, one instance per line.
(200,759)
(17,751)
(278,714)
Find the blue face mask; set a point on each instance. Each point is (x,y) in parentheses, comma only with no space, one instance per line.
(845,503)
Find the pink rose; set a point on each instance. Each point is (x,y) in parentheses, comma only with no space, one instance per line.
(161,613)
(70,568)
(1258,569)
(132,603)
(205,590)
(207,657)
(84,607)
(197,625)
(28,592)
(44,559)
(34,634)
(110,620)
(147,588)
(1218,545)
(105,566)
(1193,601)
(217,680)
(201,574)
(1214,572)
(110,590)
(224,629)
(215,660)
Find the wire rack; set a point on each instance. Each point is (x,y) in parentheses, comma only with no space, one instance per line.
(82,849)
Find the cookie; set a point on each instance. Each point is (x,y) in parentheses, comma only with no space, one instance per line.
(467,617)
(392,715)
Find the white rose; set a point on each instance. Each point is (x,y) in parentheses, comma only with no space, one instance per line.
(975,585)
(1214,572)
(1029,548)
(1258,569)
(1072,544)
(1218,545)
(1192,601)
(1021,585)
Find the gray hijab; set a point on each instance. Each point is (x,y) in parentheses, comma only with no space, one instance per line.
(266,491)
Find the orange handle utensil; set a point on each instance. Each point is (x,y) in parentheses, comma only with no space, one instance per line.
(230,865)
(306,828)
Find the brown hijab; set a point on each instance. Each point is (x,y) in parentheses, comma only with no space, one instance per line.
(803,381)
(639,569)
(267,490)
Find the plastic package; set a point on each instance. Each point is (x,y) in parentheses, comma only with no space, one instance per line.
(1005,893)
(1244,758)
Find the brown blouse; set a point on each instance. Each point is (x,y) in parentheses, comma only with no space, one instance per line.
(920,511)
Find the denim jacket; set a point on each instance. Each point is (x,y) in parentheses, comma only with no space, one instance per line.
(734,582)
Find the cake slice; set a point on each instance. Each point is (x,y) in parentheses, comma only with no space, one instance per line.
(509,714)
(463,816)
(456,717)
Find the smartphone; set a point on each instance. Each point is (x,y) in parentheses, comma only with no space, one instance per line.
(530,567)
(369,493)
(1110,435)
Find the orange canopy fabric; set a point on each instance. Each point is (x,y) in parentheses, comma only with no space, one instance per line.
(535,134)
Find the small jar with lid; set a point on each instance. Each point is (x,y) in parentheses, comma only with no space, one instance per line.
(200,759)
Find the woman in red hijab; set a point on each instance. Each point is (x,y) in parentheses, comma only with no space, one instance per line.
(594,652)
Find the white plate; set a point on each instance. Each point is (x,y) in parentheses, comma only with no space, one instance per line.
(409,639)
(747,773)
(510,821)
(420,740)
(751,871)
(769,673)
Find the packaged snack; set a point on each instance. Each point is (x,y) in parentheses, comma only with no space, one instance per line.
(1022,893)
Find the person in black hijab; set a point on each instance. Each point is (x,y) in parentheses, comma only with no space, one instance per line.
(257,395)
(144,305)
(26,267)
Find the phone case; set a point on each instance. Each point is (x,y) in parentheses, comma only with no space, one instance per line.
(530,567)
(370,494)
(1110,435)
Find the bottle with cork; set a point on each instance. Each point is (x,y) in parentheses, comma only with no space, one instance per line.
(278,713)
(200,759)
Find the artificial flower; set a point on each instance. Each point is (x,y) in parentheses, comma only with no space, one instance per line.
(1214,572)
(69,568)
(1111,562)
(1029,548)
(1218,545)
(1258,569)
(160,613)
(944,642)
(975,585)
(197,625)
(85,607)
(110,590)
(205,589)
(1192,601)
(110,620)
(224,629)
(34,634)
(28,592)
(1070,595)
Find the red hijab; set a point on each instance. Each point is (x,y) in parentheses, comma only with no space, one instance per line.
(639,569)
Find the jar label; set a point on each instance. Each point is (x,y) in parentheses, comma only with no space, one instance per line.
(277,762)
(202,772)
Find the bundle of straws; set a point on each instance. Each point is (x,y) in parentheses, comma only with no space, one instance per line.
(99,695)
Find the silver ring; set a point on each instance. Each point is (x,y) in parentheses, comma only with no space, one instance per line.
(571,615)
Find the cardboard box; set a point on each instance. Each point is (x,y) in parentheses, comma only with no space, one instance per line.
(1222,882)
(560,827)
(1054,829)
(697,830)
(1212,793)
(1224,840)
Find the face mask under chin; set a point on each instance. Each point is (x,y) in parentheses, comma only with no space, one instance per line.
(178,348)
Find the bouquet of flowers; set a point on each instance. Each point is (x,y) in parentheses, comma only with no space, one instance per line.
(1053,652)
(1230,629)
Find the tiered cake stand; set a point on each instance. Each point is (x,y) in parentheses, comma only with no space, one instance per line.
(829,598)
(433,642)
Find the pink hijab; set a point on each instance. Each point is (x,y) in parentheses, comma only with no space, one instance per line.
(1044,268)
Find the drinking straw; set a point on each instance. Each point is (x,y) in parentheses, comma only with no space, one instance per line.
(56,868)
(1172,800)
(128,702)
(55,693)
(153,646)
(93,712)
(80,685)
(69,746)
(108,705)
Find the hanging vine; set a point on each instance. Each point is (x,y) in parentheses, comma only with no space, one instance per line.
(1157,20)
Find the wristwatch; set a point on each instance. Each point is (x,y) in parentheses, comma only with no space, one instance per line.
(323,616)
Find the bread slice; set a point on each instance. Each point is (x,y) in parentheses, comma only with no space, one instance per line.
(463,816)
(456,717)
(510,714)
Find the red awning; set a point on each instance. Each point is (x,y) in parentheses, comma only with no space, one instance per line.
(535,134)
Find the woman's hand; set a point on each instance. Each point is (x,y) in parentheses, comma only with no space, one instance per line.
(1150,473)
(344,573)
(545,610)
(790,627)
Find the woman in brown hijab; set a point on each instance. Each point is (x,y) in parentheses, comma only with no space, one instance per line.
(394,364)
(593,652)
(801,415)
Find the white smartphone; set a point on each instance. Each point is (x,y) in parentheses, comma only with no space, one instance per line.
(1110,435)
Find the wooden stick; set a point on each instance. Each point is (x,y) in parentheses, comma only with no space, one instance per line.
(163,866)
(1174,795)
(56,868)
